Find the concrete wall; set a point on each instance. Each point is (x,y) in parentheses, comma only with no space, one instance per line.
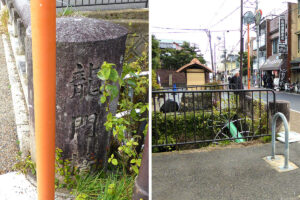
(135,20)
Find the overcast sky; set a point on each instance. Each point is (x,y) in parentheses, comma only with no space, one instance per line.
(206,14)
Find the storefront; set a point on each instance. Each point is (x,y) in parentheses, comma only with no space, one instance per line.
(276,67)
(295,70)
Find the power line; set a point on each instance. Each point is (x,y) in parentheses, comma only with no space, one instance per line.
(193,29)
(226,17)
(217,11)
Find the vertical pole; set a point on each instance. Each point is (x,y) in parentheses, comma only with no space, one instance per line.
(215,64)
(211,56)
(225,65)
(43,23)
(257,50)
(248,45)
(241,44)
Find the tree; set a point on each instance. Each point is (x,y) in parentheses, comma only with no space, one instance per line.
(245,63)
(155,54)
(174,59)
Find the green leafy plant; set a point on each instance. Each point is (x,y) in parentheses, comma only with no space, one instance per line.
(65,170)
(25,165)
(68,11)
(202,116)
(4,20)
(132,103)
(120,126)
(103,186)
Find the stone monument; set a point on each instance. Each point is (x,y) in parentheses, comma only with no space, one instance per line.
(82,45)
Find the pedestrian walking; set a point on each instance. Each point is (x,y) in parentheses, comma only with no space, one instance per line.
(265,80)
(269,82)
(236,82)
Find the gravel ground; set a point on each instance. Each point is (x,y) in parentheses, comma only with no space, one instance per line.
(8,132)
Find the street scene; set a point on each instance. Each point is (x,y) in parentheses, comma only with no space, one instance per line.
(225,99)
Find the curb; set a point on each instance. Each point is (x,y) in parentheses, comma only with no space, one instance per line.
(18,100)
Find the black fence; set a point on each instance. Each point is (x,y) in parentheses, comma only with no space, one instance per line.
(201,117)
(78,3)
(196,87)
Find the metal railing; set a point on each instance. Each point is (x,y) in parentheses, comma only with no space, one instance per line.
(78,3)
(189,117)
(286,145)
(196,87)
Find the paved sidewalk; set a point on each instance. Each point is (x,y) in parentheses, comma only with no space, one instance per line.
(295,121)
(8,133)
(230,173)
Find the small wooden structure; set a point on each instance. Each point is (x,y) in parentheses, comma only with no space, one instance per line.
(196,73)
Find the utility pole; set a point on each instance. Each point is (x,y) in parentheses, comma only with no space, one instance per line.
(215,60)
(257,48)
(225,75)
(241,44)
(211,55)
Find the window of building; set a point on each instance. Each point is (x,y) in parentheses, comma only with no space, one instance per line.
(298,7)
(298,43)
(275,46)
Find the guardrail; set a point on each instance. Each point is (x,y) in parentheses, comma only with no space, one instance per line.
(205,116)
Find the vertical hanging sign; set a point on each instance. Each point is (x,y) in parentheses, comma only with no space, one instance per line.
(282,46)
(282,29)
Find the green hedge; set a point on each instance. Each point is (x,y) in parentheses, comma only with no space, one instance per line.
(199,126)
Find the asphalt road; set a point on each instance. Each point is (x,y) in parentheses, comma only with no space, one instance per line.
(293,98)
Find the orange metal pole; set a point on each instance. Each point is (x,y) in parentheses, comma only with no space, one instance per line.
(248,58)
(43,23)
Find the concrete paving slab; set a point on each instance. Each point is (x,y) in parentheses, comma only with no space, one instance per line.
(230,173)
(278,163)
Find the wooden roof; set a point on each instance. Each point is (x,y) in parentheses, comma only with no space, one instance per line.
(194,63)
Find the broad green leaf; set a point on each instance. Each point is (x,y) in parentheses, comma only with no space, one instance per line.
(114,162)
(132,83)
(104,74)
(143,109)
(132,161)
(109,116)
(133,113)
(114,76)
(103,99)
(113,90)
(135,169)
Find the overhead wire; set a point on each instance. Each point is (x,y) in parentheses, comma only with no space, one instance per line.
(217,12)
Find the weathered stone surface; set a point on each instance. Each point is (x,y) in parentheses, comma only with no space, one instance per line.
(141,186)
(21,32)
(15,17)
(283,107)
(23,9)
(82,46)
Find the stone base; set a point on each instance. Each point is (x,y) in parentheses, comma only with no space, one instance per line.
(278,163)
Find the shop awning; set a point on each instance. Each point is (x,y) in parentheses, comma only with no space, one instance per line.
(274,62)
(295,68)
(295,61)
